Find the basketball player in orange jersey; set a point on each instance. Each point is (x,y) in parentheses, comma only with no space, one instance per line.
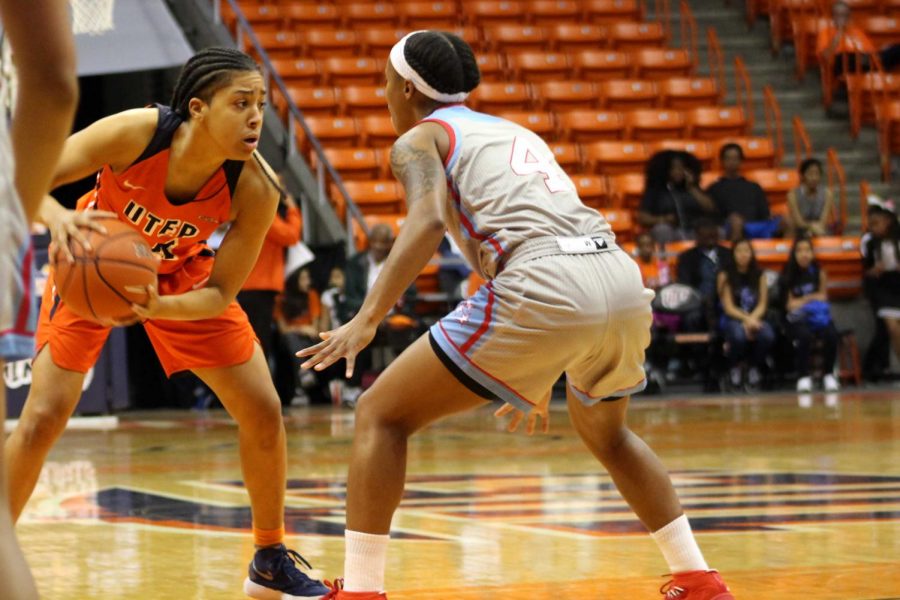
(175,174)
(39,35)
(561,297)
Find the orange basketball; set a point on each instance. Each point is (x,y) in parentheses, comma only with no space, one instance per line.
(102,283)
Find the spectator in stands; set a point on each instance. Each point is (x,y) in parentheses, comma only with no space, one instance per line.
(881,260)
(334,300)
(453,273)
(741,203)
(840,37)
(672,199)
(298,315)
(811,204)
(698,268)
(266,280)
(745,300)
(808,315)
(654,269)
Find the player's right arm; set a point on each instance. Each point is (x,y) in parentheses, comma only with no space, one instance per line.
(117,141)
(40,35)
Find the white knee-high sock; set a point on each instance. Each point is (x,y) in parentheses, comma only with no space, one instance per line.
(677,543)
(364,561)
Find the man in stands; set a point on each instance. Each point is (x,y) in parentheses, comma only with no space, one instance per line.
(742,204)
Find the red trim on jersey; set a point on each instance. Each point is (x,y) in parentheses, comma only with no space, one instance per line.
(469,360)
(450,133)
(468,224)
(484,324)
(25,306)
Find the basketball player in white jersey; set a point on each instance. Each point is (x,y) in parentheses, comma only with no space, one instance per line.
(35,36)
(561,298)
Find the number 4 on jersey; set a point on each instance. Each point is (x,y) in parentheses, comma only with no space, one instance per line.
(526,160)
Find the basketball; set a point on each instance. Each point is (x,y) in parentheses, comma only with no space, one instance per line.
(105,281)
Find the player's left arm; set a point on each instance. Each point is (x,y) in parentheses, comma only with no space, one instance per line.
(416,161)
(254,204)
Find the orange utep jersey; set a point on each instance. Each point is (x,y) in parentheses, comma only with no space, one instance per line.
(176,231)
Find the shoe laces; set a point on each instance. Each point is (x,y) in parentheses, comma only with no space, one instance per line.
(287,561)
(671,591)
(335,586)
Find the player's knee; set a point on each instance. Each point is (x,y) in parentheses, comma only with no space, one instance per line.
(371,416)
(43,425)
(264,422)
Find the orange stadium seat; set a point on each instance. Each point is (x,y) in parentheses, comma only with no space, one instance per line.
(716,122)
(377,42)
(759,152)
(262,17)
(494,97)
(634,36)
(298,71)
(662,63)
(865,92)
(772,254)
(688,92)
(375,196)
(353,163)
(776,183)
(368,14)
(377,130)
(612,11)
(516,38)
(882,30)
(320,43)
(315,100)
(654,124)
(492,67)
(568,156)
(602,64)
(429,15)
(351,70)
(278,44)
(482,13)
(547,12)
(311,16)
(888,119)
(702,149)
(627,189)
(614,157)
(539,66)
(561,96)
(363,100)
(628,93)
(330,131)
(621,223)
(592,190)
(582,126)
(541,123)
(572,37)
(839,257)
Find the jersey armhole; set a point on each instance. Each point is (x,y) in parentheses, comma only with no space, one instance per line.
(166,124)
(451,133)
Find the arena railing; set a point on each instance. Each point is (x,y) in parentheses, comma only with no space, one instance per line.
(324,168)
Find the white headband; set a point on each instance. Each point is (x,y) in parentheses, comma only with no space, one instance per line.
(398,60)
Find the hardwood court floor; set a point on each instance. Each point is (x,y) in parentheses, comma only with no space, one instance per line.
(789,502)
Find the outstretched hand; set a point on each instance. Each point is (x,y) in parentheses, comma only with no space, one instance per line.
(541,412)
(344,342)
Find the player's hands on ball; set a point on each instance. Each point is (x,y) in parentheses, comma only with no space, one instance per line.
(66,224)
(151,308)
(541,412)
(344,342)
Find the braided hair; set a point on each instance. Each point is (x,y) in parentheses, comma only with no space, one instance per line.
(205,73)
(443,60)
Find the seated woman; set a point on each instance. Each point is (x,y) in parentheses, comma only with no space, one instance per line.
(808,315)
(810,205)
(745,299)
(298,314)
(672,197)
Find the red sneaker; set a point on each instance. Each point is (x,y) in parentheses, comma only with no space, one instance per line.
(337,593)
(696,585)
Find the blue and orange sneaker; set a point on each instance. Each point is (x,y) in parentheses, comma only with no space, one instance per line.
(696,585)
(273,575)
(337,592)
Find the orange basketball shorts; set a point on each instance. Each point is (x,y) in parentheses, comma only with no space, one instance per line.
(222,341)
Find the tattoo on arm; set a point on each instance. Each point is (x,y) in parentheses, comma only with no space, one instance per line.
(419,170)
